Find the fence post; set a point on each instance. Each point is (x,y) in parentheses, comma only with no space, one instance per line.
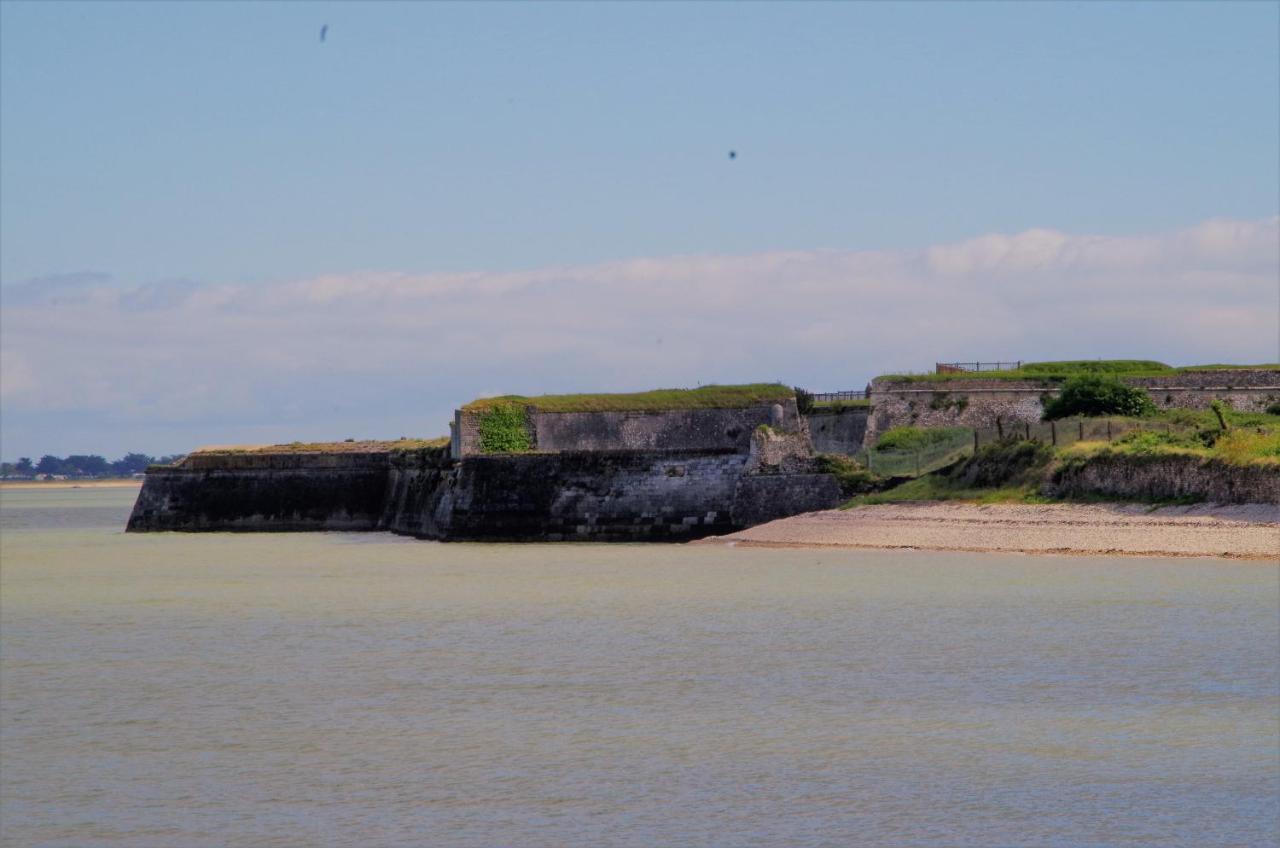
(1053,432)
(999,427)
(1081,423)
(1027,424)
(1108,429)
(975,439)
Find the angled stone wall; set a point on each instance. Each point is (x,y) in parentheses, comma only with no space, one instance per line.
(838,432)
(675,430)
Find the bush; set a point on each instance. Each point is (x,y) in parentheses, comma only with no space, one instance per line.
(1274,409)
(804,401)
(1002,462)
(504,428)
(1098,394)
(852,478)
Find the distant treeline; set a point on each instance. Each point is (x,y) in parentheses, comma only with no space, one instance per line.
(81,466)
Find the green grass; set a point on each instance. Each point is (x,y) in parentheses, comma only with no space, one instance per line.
(1238,446)
(1057,372)
(936,487)
(658,400)
(906,438)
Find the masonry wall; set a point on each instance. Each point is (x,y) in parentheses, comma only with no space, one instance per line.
(967,403)
(271,492)
(676,430)
(979,403)
(1246,390)
(592,496)
(1165,477)
(838,432)
(610,496)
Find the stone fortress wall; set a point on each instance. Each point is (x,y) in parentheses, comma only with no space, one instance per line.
(640,477)
(982,402)
(677,430)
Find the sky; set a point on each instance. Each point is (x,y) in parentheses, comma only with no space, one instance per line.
(216,228)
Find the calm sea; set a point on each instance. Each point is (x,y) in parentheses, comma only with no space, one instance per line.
(366,690)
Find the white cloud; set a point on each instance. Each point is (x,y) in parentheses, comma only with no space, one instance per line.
(364,351)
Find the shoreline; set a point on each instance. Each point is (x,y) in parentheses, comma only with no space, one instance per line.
(1247,531)
(70,484)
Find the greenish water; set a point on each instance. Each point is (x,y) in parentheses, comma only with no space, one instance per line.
(365,690)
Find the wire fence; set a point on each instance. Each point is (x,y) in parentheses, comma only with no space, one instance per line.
(965,441)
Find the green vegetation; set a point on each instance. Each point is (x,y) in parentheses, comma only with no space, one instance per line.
(1098,394)
(1238,446)
(1003,463)
(852,477)
(1057,372)
(919,438)
(658,400)
(504,428)
(1098,366)
(804,401)
(1004,471)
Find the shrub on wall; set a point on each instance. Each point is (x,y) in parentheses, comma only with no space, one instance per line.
(1098,394)
(804,401)
(504,428)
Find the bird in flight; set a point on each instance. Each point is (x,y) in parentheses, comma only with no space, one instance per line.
(733,154)
(324,30)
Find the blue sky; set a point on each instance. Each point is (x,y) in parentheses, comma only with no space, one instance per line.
(161,152)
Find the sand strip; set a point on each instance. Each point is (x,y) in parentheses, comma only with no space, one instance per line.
(70,484)
(1250,531)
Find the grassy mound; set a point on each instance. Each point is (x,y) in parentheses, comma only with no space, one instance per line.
(658,400)
(1057,372)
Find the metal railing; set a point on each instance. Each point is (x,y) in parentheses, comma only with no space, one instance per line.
(975,367)
(827,397)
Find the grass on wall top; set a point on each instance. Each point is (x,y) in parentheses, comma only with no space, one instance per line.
(1057,372)
(658,400)
(365,446)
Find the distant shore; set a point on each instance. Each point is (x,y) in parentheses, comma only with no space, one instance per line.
(1249,531)
(121,483)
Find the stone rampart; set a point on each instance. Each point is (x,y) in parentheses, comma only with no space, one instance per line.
(838,432)
(676,430)
(981,403)
(966,403)
(264,492)
(1165,477)
(569,495)
(610,496)
(1248,390)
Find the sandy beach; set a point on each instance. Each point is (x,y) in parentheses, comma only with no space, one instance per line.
(1250,531)
(70,484)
